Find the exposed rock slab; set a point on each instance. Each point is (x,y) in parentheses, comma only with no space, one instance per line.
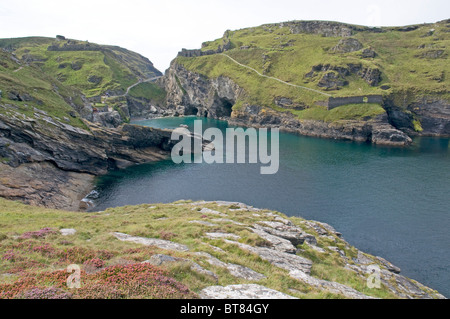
(160,243)
(331,286)
(399,285)
(248,291)
(52,164)
(205,210)
(160,259)
(278,243)
(226,220)
(221,235)
(238,271)
(278,258)
(202,222)
(289,232)
(390,267)
(67,231)
(243,272)
(31,184)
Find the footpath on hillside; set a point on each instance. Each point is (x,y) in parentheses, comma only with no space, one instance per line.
(137,83)
(276,79)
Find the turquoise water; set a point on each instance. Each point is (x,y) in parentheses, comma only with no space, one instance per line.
(389,202)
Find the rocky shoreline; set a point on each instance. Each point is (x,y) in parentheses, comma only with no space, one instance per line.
(376,131)
(53,164)
(190,93)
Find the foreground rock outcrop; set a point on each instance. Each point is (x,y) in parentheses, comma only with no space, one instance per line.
(163,251)
(283,243)
(249,291)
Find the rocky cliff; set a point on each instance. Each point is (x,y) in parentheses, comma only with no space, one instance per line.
(63,105)
(190,93)
(50,163)
(282,75)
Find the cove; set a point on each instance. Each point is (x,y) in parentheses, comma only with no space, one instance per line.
(389,202)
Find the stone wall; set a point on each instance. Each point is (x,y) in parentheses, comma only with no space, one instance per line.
(197,52)
(74,47)
(193,53)
(334,102)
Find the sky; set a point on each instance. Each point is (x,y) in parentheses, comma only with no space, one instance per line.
(160,29)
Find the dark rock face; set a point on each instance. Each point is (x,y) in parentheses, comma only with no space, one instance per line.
(65,156)
(29,58)
(324,28)
(75,149)
(137,107)
(43,184)
(432,113)
(19,96)
(108,119)
(347,45)
(190,93)
(287,103)
(95,79)
(332,81)
(371,75)
(76,65)
(333,77)
(140,107)
(433,54)
(376,131)
(368,53)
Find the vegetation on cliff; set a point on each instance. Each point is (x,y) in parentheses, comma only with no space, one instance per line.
(181,249)
(334,58)
(27,88)
(70,79)
(93,69)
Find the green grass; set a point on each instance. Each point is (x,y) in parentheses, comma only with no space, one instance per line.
(57,79)
(16,43)
(93,64)
(26,258)
(149,91)
(275,51)
(47,94)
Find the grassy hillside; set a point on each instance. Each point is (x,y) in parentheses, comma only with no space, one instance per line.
(93,69)
(35,254)
(370,61)
(54,76)
(25,88)
(149,91)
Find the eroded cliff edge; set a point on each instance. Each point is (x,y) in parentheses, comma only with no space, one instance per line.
(190,93)
(53,164)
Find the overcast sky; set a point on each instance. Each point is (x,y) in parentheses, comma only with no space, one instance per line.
(159,29)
